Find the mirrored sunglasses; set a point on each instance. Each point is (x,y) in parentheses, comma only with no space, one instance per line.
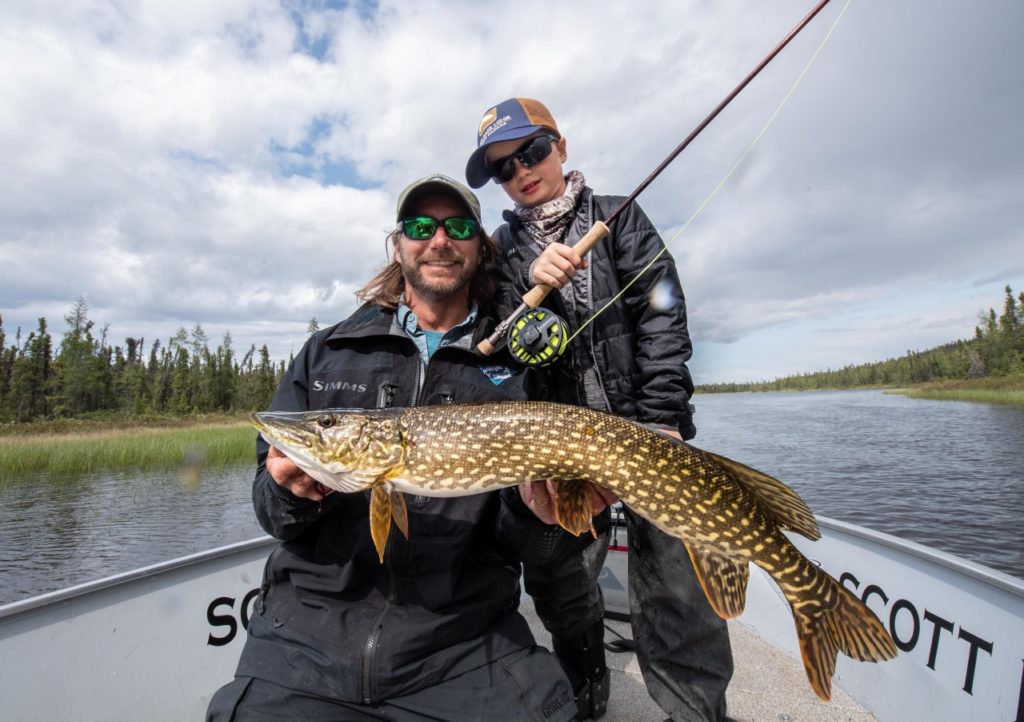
(422,228)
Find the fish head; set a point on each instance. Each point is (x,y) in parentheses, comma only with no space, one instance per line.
(347,450)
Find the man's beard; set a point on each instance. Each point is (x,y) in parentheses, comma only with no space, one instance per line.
(437,290)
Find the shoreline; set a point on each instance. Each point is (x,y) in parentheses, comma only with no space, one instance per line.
(75,446)
(1005,390)
(991,390)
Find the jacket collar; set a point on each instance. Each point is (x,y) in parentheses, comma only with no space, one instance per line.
(368,320)
(527,249)
(371,320)
(461,335)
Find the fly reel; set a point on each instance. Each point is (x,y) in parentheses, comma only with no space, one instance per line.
(538,337)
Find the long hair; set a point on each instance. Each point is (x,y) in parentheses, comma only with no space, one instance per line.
(386,288)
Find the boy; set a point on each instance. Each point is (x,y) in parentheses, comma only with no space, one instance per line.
(631,362)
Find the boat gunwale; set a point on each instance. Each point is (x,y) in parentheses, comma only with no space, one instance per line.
(30,604)
(973,570)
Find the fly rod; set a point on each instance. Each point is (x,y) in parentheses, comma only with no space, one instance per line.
(538,338)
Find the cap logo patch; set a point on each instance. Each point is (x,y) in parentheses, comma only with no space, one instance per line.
(494,128)
(489,116)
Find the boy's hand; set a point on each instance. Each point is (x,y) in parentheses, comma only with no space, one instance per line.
(556,265)
(674,433)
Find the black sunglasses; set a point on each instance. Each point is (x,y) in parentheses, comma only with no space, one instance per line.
(422,228)
(529,154)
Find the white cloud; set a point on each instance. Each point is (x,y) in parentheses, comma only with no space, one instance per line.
(236,163)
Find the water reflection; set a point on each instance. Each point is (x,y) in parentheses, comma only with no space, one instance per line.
(63,531)
(945,474)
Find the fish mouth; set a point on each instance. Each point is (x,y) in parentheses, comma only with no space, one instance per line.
(282,427)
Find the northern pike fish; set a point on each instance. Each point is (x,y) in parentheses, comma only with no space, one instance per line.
(726,514)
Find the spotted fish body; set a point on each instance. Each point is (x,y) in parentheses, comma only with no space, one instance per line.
(726,514)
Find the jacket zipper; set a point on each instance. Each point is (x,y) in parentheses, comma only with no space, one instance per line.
(421,374)
(590,311)
(593,349)
(373,641)
(385,399)
(261,601)
(386,396)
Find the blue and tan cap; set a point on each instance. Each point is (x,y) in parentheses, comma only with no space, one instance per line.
(509,120)
(442,185)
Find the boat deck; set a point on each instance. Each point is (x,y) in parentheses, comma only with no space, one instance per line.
(768,685)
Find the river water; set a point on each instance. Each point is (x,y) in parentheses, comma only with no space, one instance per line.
(945,474)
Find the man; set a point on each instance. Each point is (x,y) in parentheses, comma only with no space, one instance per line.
(433,632)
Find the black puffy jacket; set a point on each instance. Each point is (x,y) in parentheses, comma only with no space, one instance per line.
(639,351)
(331,619)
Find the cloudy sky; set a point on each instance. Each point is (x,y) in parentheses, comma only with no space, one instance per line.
(235,163)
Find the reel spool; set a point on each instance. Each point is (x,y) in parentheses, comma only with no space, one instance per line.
(538,337)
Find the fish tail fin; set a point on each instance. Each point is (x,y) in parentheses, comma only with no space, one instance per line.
(848,626)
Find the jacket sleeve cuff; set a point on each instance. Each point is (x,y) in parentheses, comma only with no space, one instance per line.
(282,514)
(528,275)
(685,427)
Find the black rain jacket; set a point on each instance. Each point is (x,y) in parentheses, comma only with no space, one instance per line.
(637,349)
(332,620)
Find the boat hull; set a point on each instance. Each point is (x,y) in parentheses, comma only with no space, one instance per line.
(959,626)
(154,644)
(158,642)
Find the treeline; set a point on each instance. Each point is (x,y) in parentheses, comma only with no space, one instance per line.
(85,375)
(997,349)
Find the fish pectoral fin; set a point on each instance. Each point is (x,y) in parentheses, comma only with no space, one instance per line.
(399,513)
(380,518)
(723,579)
(573,510)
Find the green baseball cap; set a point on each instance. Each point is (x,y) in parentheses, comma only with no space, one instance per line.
(443,185)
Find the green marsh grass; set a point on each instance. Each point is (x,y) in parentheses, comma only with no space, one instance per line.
(986,396)
(210,446)
(989,390)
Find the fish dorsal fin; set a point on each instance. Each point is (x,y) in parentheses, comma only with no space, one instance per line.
(724,580)
(573,509)
(787,509)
